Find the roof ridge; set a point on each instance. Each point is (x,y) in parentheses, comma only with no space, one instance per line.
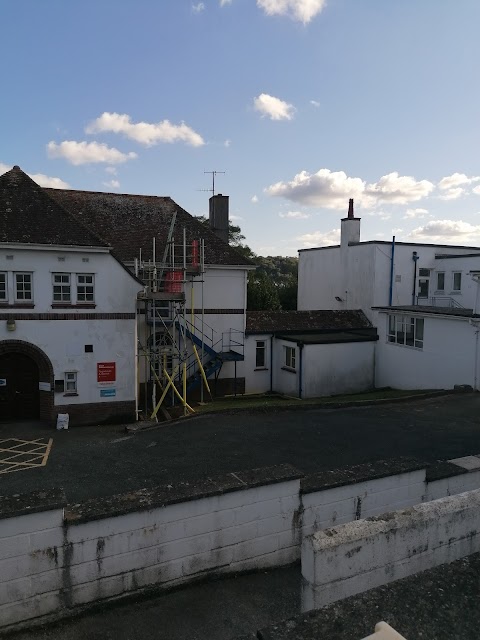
(109,193)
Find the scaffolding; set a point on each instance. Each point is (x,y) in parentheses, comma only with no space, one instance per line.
(177,349)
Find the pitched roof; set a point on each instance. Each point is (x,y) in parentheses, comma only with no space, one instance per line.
(29,216)
(300,321)
(130,222)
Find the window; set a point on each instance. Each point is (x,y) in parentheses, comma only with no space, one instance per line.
(23,287)
(406,331)
(85,288)
(70,382)
(3,287)
(260,354)
(440,281)
(61,287)
(423,282)
(457,281)
(290,357)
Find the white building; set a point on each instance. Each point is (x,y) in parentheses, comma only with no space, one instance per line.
(362,275)
(308,354)
(423,299)
(67,314)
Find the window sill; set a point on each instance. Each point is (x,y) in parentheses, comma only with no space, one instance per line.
(70,394)
(261,369)
(17,305)
(289,369)
(404,346)
(66,305)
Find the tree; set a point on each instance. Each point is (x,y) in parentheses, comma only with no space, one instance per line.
(273,284)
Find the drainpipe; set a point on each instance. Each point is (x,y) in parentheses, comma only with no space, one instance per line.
(271,362)
(390,295)
(414,290)
(300,377)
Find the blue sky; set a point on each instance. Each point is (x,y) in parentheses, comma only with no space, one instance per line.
(303,103)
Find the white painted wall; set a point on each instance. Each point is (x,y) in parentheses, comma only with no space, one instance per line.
(257,380)
(331,369)
(285,380)
(48,564)
(358,556)
(360,275)
(447,357)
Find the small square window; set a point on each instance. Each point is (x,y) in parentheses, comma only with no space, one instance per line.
(70,382)
(89,348)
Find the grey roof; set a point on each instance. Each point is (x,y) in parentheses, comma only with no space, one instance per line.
(430,310)
(389,243)
(29,216)
(325,320)
(130,222)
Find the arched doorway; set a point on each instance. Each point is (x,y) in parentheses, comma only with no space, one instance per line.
(26,382)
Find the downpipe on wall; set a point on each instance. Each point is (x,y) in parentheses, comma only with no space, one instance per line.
(390,293)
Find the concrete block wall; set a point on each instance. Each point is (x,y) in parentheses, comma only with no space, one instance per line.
(360,555)
(246,529)
(340,504)
(31,556)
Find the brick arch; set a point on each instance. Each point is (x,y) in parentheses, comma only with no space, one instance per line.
(45,370)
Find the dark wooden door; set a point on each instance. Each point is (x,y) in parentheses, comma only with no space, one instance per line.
(19,394)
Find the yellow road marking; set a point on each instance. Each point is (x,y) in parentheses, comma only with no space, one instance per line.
(36,453)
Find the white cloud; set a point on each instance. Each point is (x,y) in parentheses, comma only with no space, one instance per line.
(399,189)
(295,215)
(227,143)
(299,10)
(87,152)
(476,190)
(272,107)
(198,8)
(320,239)
(448,231)
(224,3)
(332,189)
(416,213)
(315,103)
(145,132)
(234,217)
(47,181)
(40,178)
(326,188)
(254,199)
(111,170)
(452,194)
(112,184)
(456,180)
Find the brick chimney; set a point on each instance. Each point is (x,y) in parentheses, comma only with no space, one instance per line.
(218,215)
(350,227)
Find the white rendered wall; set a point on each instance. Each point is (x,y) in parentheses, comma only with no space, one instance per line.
(447,357)
(257,379)
(331,369)
(358,556)
(285,381)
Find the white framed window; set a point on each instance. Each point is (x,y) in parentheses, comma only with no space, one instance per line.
(85,287)
(405,331)
(61,287)
(23,287)
(290,357)
(70,382)
(457,281)
(440,281)
(260,354)
(423,282)
(3,287)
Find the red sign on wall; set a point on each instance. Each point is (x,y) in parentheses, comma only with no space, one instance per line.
(106,372)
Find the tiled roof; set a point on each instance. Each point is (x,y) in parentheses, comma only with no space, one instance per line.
(323,320)
(130,222)
(29,216)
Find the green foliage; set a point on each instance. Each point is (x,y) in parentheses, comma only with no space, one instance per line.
(273,284)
